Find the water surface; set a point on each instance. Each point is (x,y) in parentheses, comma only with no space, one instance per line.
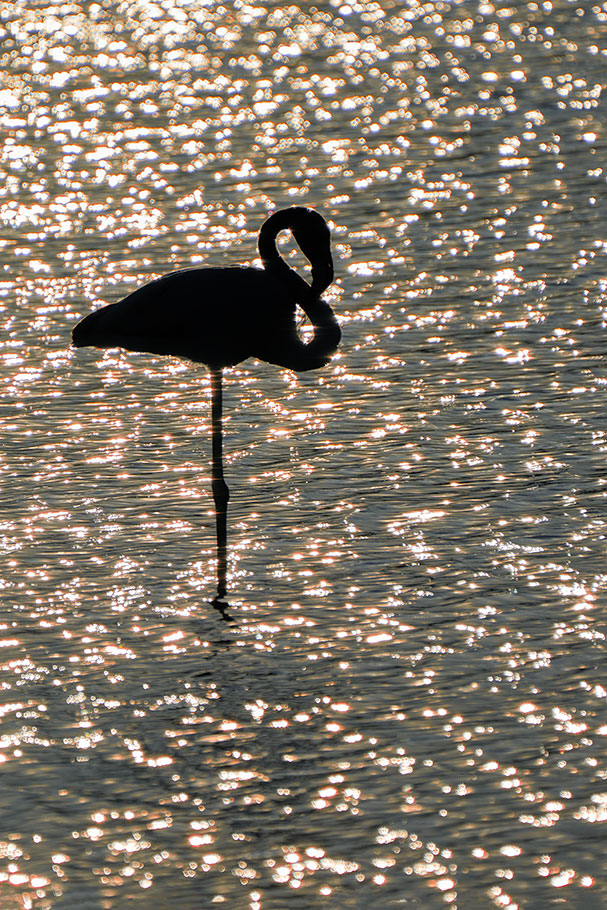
(408,705)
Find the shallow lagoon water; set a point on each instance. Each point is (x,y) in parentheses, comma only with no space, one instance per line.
(406,704)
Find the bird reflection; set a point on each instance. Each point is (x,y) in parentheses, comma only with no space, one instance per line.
(222,316)
(218,603)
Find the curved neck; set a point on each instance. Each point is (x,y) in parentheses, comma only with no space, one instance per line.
(327,334)
(266,244)
(273,262)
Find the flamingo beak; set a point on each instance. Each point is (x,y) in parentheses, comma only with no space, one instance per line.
(322,276)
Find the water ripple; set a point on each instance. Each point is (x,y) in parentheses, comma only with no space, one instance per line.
(403,701)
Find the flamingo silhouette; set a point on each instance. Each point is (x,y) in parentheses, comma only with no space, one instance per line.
(222,316)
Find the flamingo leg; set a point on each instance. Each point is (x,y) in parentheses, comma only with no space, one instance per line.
(221,493)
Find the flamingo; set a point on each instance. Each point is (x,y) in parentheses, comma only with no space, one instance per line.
(222,316)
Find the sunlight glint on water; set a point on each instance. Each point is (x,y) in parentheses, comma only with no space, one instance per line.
(405,703)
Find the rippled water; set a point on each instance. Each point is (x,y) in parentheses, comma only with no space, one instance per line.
(407,702)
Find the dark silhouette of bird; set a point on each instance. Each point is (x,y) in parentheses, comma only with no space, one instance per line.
(222,316)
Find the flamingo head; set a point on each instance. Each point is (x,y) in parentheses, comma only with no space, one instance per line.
(313,237)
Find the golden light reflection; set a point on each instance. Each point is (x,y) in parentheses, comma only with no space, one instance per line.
(454,182)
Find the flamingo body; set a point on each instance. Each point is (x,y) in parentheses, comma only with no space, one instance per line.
(221,316)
